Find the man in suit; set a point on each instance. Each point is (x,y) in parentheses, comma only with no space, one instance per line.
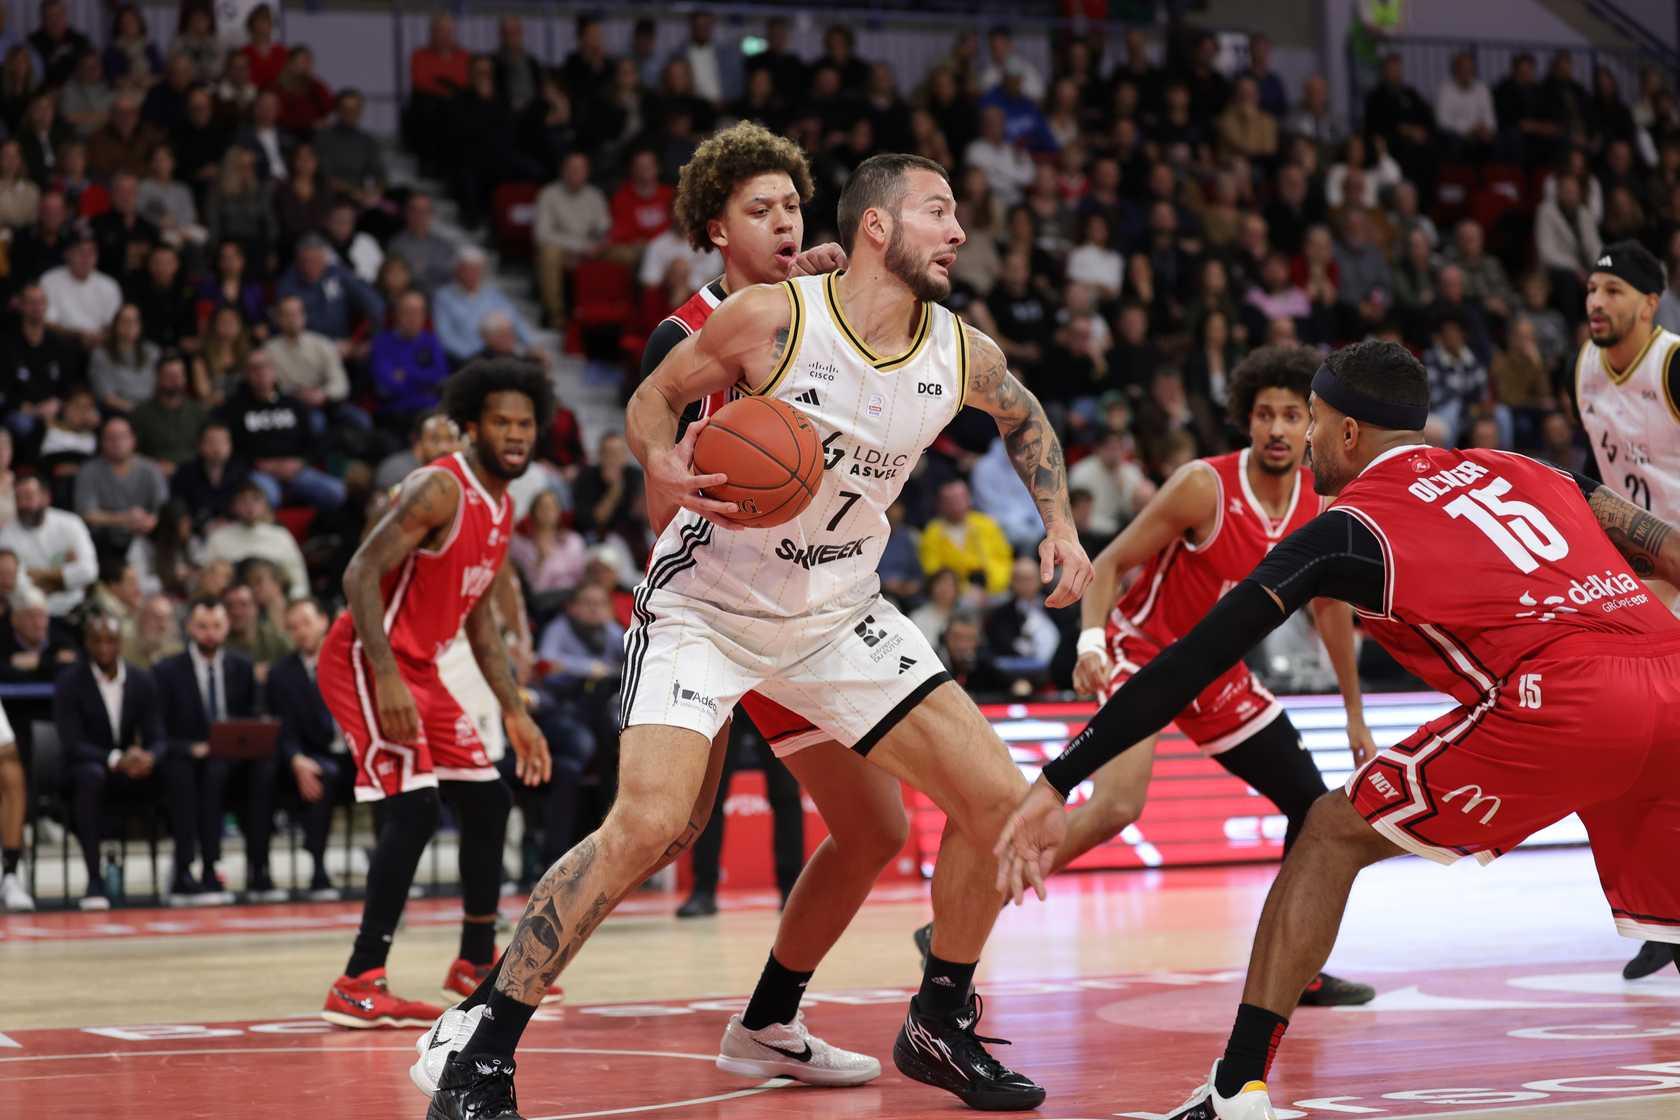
(206,683)
(110,727)
(311,747)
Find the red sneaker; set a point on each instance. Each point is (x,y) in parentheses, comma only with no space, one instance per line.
(465,977)
(366,1001)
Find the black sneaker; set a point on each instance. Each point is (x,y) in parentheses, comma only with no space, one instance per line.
(946,1053)
(1652,957)
(1332,991)
(475,1089)
(700,904)
(924,942)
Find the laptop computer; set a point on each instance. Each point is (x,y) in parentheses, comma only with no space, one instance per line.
(242,740)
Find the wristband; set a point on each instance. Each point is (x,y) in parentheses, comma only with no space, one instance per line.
(1092,640)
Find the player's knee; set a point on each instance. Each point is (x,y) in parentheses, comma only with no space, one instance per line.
(646,831)
(877,838)
(1334,824)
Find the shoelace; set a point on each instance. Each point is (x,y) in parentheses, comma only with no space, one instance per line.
(993,1067)
(491,1092)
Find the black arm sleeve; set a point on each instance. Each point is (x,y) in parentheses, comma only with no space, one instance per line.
(1334,555)
(1586,484)
(661,342)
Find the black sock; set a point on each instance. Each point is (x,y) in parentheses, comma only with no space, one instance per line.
(481,994)
(498,1032)
(9,860)
(478,941)
(406,827)
(776,999)
(1251,1048)
(945,986)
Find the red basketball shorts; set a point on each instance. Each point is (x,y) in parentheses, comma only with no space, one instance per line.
(784,730)
(1587,725)
(448,747)
(1227,712)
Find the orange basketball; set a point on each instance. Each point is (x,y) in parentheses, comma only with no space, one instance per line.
(772,455)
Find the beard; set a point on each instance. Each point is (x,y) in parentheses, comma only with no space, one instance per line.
(1612,337)
(33,519)
(913,273)
(492,462)
(1271,468)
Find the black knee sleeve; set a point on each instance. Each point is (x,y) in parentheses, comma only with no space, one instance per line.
(1280,769)
(482,809)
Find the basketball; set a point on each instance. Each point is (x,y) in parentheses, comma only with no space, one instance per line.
(772,455)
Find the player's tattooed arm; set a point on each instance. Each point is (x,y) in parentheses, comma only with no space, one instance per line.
(484,636)
(1648,542)
(1027,435)
(425,504)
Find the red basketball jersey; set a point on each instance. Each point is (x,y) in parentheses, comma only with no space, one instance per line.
(1490,556)
(1184,580)
(691,316)
(428,595)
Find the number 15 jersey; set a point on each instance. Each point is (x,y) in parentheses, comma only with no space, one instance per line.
(1489,556)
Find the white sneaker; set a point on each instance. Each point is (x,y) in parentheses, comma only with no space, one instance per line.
(453,1026)
(12,895)
(789,1050)
(92,902)
(1252,1102)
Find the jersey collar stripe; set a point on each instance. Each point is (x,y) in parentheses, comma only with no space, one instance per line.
(878,361)
(1393,453)
(472,480)
(1272,530)
(1618,378)
(713,293)
(790,350)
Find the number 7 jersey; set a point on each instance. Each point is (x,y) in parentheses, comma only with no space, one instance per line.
(1489,556)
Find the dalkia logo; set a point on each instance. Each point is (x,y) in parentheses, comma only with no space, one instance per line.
(1601,587)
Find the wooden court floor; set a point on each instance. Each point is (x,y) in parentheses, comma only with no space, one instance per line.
(1501,997)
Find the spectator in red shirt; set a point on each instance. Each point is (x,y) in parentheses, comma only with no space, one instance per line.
(641,208)
(305,100)
(267,58)
(436,73)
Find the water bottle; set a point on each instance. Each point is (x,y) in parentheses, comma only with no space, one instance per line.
(113,875)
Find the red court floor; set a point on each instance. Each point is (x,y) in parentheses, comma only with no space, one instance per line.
(1437,1042)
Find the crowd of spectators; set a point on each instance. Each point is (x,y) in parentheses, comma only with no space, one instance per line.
(226,328)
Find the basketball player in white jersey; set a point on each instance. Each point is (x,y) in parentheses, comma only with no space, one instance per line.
(1627,386)
(881,369)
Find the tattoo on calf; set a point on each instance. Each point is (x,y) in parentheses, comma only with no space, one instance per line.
(538,951)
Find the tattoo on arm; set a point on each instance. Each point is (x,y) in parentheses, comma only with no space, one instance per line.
(1637,535)
(1027,436)
(427,501)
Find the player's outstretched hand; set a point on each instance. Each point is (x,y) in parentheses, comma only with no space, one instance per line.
(1090,673)
(530,749)
(671,479)
(1064,550)
(819,259)
(1029,841)
(399,719)
(1364,747)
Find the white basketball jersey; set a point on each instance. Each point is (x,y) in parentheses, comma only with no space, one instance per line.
(1634,423)
(876,414)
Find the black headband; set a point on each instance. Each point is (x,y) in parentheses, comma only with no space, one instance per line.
(1632,263)
(1338,394)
